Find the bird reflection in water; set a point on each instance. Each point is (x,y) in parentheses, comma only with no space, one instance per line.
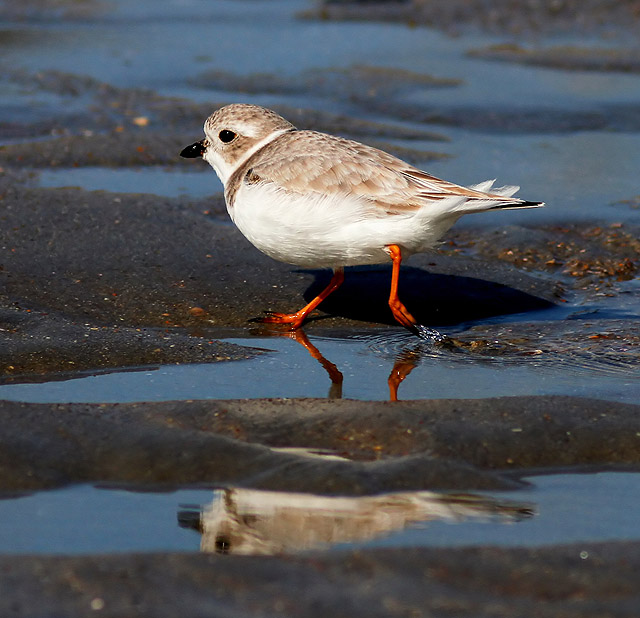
(335,392)
(247,521)
(405,362)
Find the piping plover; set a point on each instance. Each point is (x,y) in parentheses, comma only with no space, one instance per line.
(316,200)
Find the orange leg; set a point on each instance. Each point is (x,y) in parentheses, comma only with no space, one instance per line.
(295,320)
(399,311)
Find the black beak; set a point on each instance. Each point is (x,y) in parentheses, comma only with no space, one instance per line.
(193,151)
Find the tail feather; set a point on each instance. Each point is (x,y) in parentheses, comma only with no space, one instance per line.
(516,204)
(487,187)
(456,207)
(480,204)
(506,191)
(450,209)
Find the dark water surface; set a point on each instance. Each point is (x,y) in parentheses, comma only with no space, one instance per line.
(562,508)
(365,360)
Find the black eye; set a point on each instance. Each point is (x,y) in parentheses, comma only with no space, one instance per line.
(226,136)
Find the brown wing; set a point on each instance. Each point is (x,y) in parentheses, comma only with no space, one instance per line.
(303,161)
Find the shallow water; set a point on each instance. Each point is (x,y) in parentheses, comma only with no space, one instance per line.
(365,360)
(156,180)
(579,174)
(561,508)
(580,177)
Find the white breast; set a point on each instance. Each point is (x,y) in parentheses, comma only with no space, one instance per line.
(315,230)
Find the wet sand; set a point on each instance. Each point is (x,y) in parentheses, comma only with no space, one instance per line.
(528,19)
(388,446)
(574,580)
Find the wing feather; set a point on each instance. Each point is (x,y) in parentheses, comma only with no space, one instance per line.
(303,161)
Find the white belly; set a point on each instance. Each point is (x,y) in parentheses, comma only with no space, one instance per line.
(318,231)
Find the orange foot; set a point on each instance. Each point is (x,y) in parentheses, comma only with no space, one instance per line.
(295,320)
